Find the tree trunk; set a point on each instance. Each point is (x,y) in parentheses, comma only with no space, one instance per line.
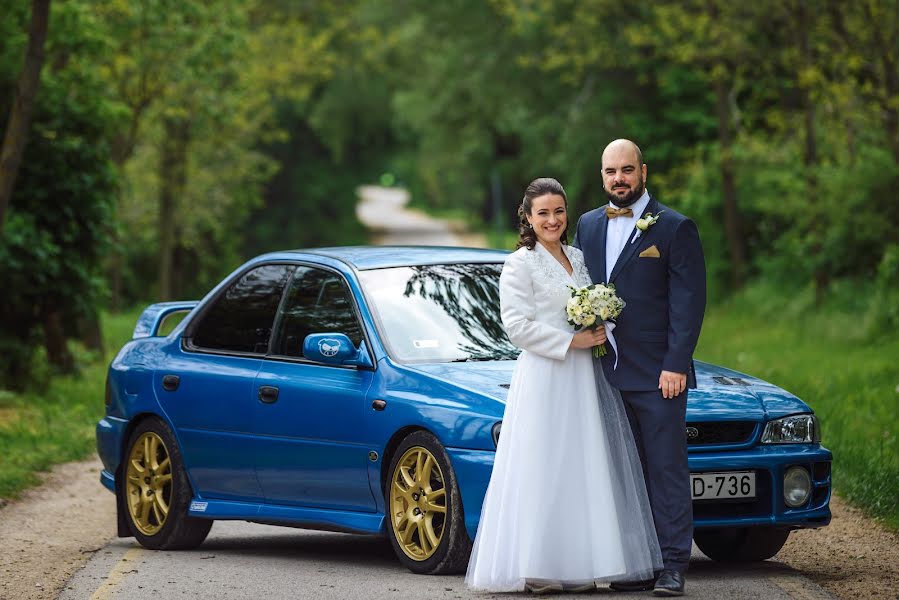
(91,333)
(23,105)
(889,82)
(55,339)
(732,225)
(821,276)
(173,178)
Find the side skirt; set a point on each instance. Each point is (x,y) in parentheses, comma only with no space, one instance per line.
(292,516)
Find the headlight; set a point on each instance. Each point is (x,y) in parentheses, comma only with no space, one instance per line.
(798,429)
(797,486)
(496,428)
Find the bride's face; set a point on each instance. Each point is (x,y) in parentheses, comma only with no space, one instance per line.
(548,218)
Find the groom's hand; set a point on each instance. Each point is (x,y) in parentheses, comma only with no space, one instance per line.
(672,384)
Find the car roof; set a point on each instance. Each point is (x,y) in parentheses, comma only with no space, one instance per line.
(364,258)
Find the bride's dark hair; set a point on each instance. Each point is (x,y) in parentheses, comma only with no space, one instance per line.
(538,187)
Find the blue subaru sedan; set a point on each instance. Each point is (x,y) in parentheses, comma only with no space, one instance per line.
(362,390)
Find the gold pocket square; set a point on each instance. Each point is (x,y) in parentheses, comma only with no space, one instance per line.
(651,252)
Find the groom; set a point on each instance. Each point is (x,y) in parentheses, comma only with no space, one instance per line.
(658,269)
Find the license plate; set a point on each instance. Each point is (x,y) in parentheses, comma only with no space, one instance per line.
(723,486)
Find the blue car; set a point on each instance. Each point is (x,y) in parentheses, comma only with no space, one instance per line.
(362,390)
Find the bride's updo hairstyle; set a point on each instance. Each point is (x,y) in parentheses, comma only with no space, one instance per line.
(538,187)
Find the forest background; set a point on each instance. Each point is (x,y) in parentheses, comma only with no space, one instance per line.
(171,140)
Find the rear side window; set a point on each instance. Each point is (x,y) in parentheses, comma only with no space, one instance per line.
(240,320)
(318,301)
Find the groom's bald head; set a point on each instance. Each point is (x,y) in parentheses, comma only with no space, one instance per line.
(623,146)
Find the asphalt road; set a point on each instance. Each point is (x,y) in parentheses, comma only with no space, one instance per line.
(244,560)
(383,211)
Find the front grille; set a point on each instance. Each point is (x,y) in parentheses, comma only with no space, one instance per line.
(719,433)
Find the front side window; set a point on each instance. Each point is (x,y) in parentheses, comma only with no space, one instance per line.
(318,301)
(240,320)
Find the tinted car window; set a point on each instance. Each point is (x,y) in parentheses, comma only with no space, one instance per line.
(440,313)
(318,301)
(241,319)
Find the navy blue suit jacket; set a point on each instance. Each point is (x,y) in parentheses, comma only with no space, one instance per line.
(659,327)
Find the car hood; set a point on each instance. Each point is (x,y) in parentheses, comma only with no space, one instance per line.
(721,393)
(725,394)
(489,378)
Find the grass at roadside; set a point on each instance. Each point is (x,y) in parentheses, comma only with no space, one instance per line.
(56,425)
(850,377)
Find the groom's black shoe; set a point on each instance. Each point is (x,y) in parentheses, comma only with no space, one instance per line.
(640,585)
(669,583)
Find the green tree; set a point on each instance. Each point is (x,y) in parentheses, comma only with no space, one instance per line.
(23,104)
(60,214)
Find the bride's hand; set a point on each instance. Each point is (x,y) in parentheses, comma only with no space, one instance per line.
(587,338)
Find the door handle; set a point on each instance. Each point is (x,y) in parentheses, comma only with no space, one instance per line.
(268,394)
(170,382)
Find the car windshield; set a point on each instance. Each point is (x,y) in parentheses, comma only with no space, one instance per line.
(440,313)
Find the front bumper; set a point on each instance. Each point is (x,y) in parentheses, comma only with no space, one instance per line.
(768,507)
(473,468)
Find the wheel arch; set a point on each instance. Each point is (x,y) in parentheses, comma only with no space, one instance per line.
(390,449)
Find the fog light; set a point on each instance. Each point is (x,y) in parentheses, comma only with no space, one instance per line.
(797,486)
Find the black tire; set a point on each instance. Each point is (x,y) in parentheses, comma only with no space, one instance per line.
(450,554)
(151,487)
(748,544)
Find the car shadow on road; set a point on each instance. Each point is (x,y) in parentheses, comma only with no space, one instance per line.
(297,544)
(704,567)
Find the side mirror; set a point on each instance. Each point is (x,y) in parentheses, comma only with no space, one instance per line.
(335,349)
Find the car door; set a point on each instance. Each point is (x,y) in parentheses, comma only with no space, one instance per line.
(206,388)
(309,417)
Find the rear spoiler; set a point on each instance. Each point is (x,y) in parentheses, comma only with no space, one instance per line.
(149,321)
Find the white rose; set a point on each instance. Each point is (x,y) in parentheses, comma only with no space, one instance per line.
(642,224)
(589,320)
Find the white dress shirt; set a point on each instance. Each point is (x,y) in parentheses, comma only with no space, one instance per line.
(621,229)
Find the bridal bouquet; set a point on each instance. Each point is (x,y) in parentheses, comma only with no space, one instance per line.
(592,303)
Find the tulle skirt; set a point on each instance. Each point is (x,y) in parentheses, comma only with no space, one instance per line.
(566,503)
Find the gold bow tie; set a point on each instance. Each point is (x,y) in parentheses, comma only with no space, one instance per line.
(613,212)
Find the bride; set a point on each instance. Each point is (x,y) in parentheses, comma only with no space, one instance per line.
(566,506)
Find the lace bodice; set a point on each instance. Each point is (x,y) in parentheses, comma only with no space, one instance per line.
(534,288)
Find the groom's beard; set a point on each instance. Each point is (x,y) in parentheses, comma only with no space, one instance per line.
(629,198)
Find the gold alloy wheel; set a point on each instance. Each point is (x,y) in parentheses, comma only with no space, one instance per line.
(149,483)
(418,503)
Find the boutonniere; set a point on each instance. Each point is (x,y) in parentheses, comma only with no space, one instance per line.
(645,223)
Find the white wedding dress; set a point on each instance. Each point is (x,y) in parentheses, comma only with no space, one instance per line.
(566,502)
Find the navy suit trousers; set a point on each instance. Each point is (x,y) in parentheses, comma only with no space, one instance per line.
(659,430)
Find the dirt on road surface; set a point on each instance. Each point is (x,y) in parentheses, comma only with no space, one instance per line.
(54,529)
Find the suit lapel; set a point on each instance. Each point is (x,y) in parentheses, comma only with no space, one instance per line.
(629,248)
